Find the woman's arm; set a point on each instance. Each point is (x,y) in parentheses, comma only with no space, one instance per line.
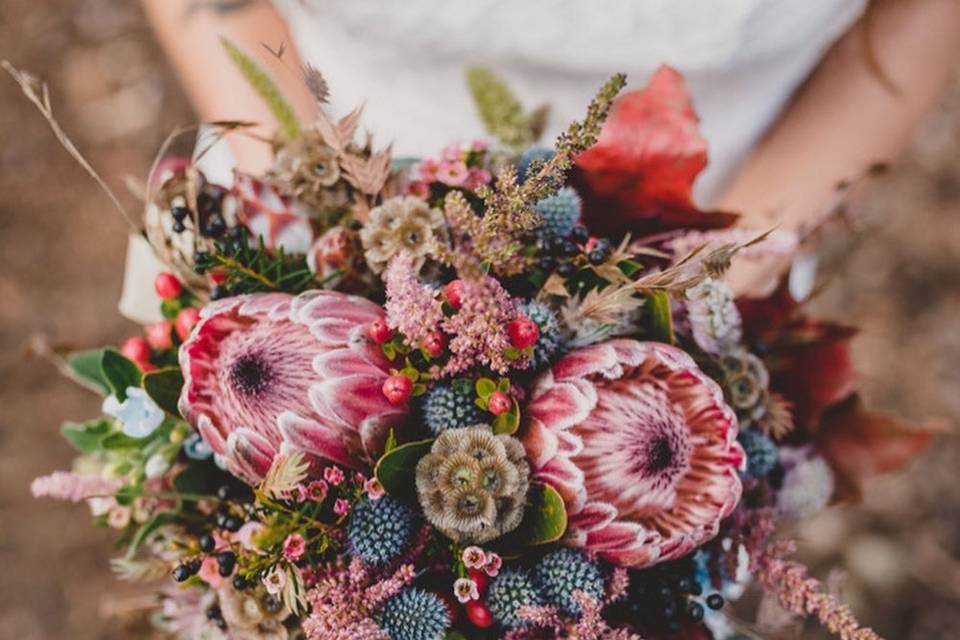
(846,118)
(190,32)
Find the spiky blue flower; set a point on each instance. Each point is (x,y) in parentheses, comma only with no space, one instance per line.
(415,614)
(379,531)
(446,407)
(549,342)
(561,572)
(560,213)
(509,591)
(528,157)
(762,455)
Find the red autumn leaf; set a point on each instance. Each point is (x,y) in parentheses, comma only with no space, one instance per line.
(639,175)
(859,444)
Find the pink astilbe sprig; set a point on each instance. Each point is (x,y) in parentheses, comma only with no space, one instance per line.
(543,622)
(801,594)
(65,485)
(479,328)
(344,597)
(413,308)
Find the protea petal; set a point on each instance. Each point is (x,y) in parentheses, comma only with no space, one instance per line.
(270,371)
(641,446)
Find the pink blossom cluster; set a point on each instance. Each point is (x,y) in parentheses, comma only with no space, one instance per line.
(479,328)
(65,485)
(344,598)
(459,165)
(413,308)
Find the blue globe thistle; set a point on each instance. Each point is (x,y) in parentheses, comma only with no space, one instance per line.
(549,342)
(379,531)
(509,591)
(528,157)
(446,407)
(415,614)
(560,213)
(561,572)
(762,454)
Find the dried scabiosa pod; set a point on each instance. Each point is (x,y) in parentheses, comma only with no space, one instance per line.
(473,484)
(403,223)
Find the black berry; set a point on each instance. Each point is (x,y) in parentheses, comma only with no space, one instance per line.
(695,611)
(183,571)
(570,248)
(226,560)
(597,257)
(240,583)
(565,269)
(580,234)
(548,263)
(178,226)
(215,226)
(180,213)
(715,601)
(207,543)
(232,524)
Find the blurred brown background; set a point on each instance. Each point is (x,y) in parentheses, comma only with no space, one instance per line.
(61,257)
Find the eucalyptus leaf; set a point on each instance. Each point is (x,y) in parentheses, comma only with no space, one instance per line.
(659,317)
(163,386)
(397,469)
(85,437)
(85,366)
(119,373)
(545,519)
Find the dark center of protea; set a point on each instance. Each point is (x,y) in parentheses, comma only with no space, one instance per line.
(660,456)
(250,374)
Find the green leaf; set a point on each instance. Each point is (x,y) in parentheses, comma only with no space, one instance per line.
(397,470)
(391,442)
(508,422)
(200,478)
(512,353)
(485,387)
(545,519)
(126,494)
(85,436)
(163,386)
(119,373)
(660,318)
(409,372)
(170,308)
(504,385)
(389,350)
(118,440)
(418,389)
(267,90)
(629,267)
(150,526)
(85,366)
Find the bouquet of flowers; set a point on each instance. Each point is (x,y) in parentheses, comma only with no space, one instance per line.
(498,393)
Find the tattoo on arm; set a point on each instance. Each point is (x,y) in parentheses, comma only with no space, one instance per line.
(219,7)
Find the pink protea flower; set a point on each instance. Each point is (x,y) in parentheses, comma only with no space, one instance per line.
(269,370)
(641,446)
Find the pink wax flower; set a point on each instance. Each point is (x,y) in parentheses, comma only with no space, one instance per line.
(263,370)
(245,536)
(492,567)
(474,557)
(316,491)
(641,446)
(341,507)
(478,178)
(333,475)
(419,189)
(466,590)
(275,580)
(453,174)
(294,547)
(480,145)
(210,572)
(453,152)
(428,170)
(374,489)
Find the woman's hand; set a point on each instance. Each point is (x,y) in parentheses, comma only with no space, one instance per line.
(857,109)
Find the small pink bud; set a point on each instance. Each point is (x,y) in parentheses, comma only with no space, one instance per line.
(397,389)
(454,293)
(158,334)
(185,321)
(379,332)
(136,349)
(499,403)
(435,343)
(523,332)
(167,286)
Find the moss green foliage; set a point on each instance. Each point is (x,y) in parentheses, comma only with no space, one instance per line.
(267,90)
(501,112)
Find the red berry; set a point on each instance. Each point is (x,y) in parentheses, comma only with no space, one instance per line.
(435,343)
(379,332)
(167,286)
(479,614)
(158,334)
(454,293)
(498,403)
(185,321)
(219,277)
(478,576)
(397,389)
(136,349)
(523,332)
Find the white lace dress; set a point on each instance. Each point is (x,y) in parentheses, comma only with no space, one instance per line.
(405,60)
